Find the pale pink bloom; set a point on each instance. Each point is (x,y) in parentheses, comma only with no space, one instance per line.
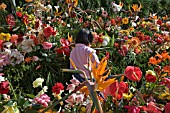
(79,98)
(104,13)
(75,81)
(71,87)
(47,45)
(35,58)
(71,99)
(4,59)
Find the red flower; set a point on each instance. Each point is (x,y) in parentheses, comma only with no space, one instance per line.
(159,22)
(167,108)
(48,31)
(150,78)
(1,42)
(4,87)
(133,109)
(133,73)
(64,42)
(63,50)
(11,20)
(152,108)
(34,39)
(117,89)
(57,88)
(19,14)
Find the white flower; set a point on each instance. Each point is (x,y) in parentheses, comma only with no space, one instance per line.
(117,8)
(16,57)
(2,79)
(27,45)
(8,44)
(38,82)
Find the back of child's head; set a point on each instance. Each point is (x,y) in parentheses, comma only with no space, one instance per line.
(84,37)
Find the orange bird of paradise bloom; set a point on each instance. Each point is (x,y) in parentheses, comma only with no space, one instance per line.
(99,73)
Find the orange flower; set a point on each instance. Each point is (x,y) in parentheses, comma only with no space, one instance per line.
(75,2)
(28,59)
(3,6)
(125,20)
(152,60)
(28,0)
(167,69)
(135,41)
(136,8)
(165,55)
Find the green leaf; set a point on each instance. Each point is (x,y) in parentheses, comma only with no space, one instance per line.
(30,95)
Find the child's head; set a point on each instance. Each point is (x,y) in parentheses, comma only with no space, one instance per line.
(84,37)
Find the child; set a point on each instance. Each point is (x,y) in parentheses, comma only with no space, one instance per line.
(80,54)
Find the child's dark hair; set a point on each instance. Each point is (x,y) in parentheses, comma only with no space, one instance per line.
(84,36)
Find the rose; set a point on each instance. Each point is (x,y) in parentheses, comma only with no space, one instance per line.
(4,87)
(133,73)
(38,82)
(48,31)
(47,45)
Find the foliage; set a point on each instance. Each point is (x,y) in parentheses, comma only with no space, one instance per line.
(131,39)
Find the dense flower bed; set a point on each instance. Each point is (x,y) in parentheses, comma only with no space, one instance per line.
(35,43)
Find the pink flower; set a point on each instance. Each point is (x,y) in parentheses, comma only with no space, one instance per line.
(47,45)
(35,58)
(133,73)
(167,107)
(71,87)
(75,81)
(166,82)
(43,100)
(133,109)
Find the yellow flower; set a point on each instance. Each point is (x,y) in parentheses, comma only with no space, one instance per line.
(5,37)
(57,13)
(136,8)
(70,38)
(127,97)
(125,20)
(11,109)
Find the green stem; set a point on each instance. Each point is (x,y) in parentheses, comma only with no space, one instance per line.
(15,97)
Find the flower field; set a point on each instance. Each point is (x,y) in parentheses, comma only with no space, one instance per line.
(132,41)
